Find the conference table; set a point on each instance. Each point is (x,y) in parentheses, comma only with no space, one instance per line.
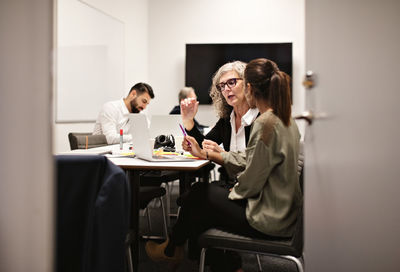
(133,168)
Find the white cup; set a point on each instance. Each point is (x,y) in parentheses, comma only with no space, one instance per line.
(178,143)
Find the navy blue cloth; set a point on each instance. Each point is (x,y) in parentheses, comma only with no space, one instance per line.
(220,133)
(92,214)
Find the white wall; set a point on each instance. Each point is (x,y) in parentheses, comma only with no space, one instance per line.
(173,23)
(134,14)
(157,31)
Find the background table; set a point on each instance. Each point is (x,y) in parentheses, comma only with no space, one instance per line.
(133,166)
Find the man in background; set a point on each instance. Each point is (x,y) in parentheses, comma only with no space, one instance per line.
(113,115)
(187,92)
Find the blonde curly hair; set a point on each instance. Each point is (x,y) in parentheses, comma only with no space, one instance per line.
(221,107)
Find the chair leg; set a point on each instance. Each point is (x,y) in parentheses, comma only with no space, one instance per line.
(259,263)
(168,201)
(165,226)
(129,258)
(171,188)
(164,218)
(147,210)
(214,174)
(297,261)
(202,259)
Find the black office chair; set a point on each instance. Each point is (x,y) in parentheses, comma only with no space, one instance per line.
(156,178)
(92,214)
(85,140)
(147,194)
(291,248)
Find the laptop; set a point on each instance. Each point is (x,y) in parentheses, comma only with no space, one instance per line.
(165,125)
(141,141)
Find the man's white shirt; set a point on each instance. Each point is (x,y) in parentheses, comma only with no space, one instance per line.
(113,117)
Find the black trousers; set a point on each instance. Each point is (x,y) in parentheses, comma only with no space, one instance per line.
(206,206)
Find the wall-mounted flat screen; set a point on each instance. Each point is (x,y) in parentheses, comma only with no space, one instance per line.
(203,60)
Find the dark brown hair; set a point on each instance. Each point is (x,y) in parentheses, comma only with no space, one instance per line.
(141,88)
(271,84)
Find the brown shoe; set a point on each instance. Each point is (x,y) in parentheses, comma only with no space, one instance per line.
(156,253)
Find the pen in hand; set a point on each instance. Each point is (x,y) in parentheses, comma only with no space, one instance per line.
(184,134)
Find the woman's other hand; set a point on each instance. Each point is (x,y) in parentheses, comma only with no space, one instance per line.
(209,145)
(189,108)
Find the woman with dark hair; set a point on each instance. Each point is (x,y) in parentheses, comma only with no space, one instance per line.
(266,197)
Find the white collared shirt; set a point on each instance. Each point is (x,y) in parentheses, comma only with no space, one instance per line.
(238,140)
(113,117)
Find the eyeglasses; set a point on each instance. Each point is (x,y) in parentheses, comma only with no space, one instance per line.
(230,83)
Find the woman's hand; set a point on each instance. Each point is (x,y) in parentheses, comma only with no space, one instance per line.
(193,147)
(209,145)
(189,108)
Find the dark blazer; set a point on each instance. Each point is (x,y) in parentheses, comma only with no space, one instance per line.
(220,133)
(92,214)
(177,110)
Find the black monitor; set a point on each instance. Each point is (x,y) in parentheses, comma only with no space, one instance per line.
(203,60)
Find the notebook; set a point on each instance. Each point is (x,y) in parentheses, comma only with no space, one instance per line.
(142,146)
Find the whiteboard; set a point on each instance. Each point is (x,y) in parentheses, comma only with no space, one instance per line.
(90,61)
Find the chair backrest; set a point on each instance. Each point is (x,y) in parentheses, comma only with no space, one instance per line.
(92,214)
(85,140)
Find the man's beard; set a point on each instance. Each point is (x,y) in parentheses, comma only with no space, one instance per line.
(134,108)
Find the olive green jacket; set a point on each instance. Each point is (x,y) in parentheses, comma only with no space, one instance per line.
(267,175)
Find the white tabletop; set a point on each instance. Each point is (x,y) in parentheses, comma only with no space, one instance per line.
(107,149)
(135,163)
(125,162)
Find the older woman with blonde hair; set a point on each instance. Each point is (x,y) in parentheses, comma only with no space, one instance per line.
(235,115)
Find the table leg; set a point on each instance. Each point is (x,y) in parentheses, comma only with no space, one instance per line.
(134,178)
(184,181)
(205,174)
